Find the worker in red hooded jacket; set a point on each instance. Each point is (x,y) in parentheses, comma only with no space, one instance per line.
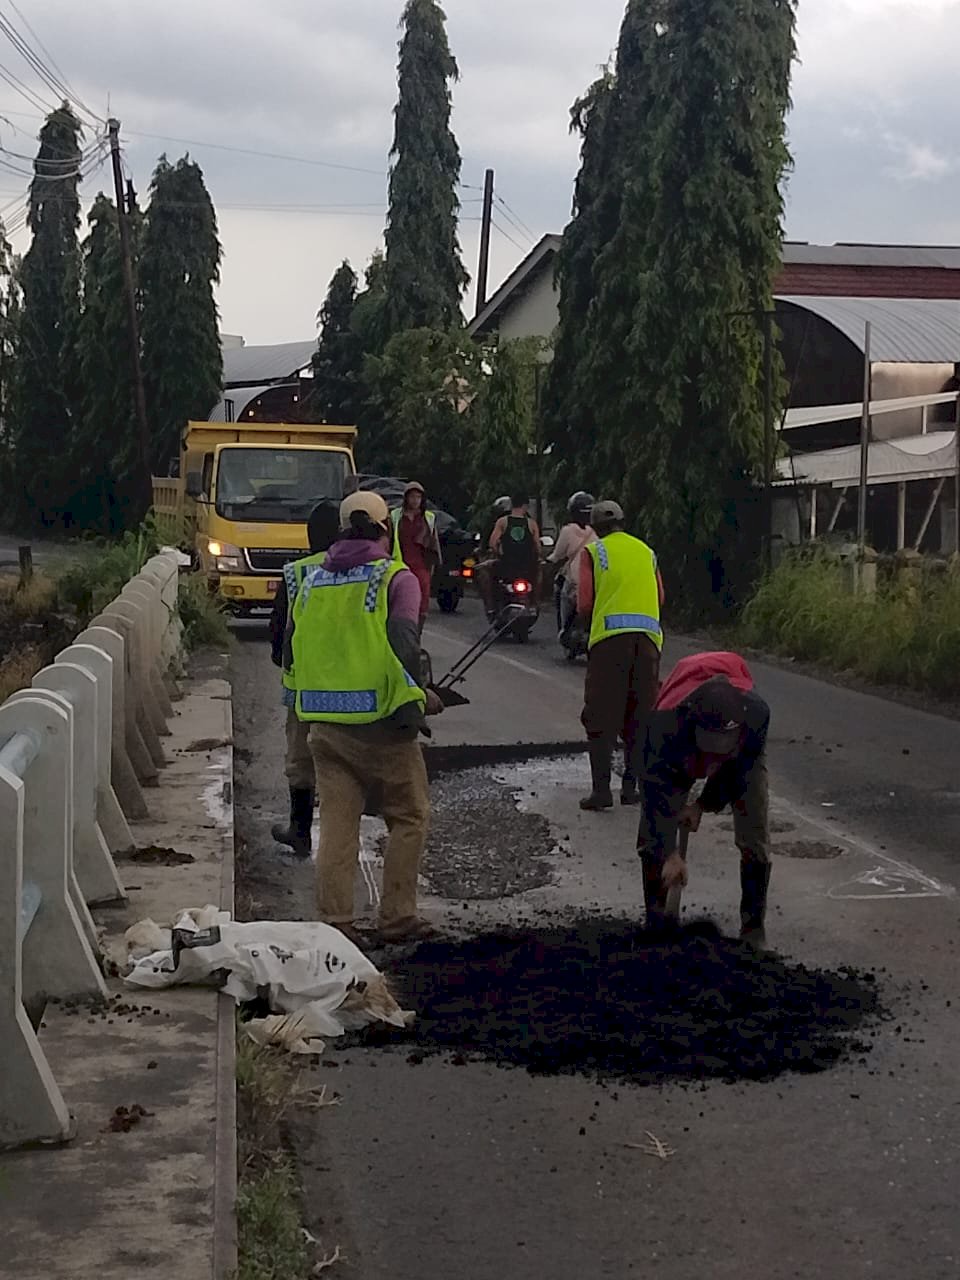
(708,723)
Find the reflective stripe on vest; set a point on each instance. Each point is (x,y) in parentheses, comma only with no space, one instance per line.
(293,572)
(345,669)
(396,516)
(626,591)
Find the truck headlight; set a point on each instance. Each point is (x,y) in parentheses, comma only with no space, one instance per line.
(228,558)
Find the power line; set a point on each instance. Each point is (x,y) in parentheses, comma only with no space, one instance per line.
(516,226)
(19,87)
(43,48)
(518,221)
(249,151)
(33,60)
(507,236)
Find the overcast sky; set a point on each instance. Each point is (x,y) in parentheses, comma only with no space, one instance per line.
(873,129)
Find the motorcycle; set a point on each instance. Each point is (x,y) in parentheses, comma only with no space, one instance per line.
(456,569)
(517,595)
(574,637)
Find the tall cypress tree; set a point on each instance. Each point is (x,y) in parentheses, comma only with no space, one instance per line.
(108,431)
(712,248)
(179,266)
(338,363)
(424,274)
(46,394)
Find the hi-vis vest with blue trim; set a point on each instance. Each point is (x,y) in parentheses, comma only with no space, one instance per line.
(396,516)
(345,670)
(626,592)
(292,576)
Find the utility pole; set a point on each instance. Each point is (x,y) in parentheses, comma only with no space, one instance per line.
(865,441)
(486,226)
(768,441)
(139,396)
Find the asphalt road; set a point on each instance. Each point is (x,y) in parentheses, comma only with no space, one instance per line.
(494,1174)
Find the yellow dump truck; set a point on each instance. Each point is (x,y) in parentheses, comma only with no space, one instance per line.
(242,499)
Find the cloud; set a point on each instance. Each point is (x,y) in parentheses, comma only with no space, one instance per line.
(872,125)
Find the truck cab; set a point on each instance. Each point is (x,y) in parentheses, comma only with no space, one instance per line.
(247,491)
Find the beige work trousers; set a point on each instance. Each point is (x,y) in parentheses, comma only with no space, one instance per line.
(350,763)
(299,762)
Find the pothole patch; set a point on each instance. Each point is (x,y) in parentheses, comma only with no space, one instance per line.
(599,998)
(158,856)
(809,849)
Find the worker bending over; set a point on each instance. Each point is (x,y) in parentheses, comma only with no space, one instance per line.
(708,724)
(322,528)
(357,670)
(619,597)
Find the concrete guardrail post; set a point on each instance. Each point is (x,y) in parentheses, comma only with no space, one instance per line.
(95,869)
(58,957)
(118,619)
(135,612)
(129,758)
(145,593)
(32,1108)
(165,571)
(110,815)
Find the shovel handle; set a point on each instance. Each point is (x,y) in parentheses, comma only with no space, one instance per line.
(675,895)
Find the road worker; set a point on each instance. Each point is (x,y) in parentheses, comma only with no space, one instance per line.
(619,596)
(357,669)
(322,528)
(708,724)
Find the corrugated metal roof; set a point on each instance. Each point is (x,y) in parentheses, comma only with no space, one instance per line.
(912,458)
(872,255)
(266,364)
(905,330)
(241,397)
(816,417)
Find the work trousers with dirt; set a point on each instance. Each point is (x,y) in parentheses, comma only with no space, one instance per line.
(299,762)
(352,763)
(621,687)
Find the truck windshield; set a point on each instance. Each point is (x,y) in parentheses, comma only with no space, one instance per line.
(276,485)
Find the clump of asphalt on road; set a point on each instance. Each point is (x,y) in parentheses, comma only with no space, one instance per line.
(600,998)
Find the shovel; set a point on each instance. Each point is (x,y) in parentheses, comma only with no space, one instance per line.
(675,895)
(446,688)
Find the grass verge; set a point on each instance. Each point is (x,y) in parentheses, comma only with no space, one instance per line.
(907,635)
(272,1244)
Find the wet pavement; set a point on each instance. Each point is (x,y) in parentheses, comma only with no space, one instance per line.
(446,1164)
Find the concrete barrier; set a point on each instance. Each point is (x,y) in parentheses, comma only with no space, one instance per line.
(75,750)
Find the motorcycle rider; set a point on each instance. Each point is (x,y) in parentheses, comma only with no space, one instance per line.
(515,549)
(573,537)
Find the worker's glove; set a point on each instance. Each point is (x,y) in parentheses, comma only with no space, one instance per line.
(434,705)
(691,816)
(674,874)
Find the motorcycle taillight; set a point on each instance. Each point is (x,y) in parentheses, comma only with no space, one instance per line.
(521,588)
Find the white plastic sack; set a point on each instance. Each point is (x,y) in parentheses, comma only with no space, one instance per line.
(305,968)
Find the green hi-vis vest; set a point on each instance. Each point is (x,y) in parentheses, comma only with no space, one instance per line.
(345,670)
(293,573)
(626,593)
(396,516)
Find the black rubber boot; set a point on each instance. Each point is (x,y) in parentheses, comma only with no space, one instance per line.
(297,836)
(655,899)
(754,885)
(601,764)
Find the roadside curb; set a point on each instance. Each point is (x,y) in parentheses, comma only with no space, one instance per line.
(225,1161)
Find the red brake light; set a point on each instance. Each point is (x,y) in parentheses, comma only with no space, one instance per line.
(521,588)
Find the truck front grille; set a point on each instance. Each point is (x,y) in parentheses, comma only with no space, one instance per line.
(269,559)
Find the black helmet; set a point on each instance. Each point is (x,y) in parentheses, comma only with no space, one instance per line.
(580,505)
(502,507)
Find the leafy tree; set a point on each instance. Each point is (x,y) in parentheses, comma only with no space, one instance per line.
(179,266)
(423,388)
(504,435)
(108,432)
(45,393)
(424,274)
(712,248)
(338,363)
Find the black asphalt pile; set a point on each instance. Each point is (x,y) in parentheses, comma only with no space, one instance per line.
(602,999)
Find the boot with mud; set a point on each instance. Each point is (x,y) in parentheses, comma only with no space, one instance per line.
(297,836)
(754,885)
(601,765)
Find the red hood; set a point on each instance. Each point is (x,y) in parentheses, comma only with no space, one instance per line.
(692,672)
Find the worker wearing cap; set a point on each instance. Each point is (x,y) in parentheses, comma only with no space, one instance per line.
(708,724)
(323,526)
(619,595)
(415,541)
(357,671)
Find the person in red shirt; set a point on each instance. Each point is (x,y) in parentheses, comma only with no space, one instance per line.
(710,724)
(416,542)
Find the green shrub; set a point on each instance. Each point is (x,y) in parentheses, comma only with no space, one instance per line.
(202,615)
(907,634)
